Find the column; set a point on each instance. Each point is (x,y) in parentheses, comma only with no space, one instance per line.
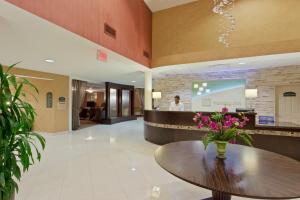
(148,90)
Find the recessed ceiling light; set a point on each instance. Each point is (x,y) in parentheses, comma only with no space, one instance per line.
(133,81)
(50,61)
(204,84)
(242,63)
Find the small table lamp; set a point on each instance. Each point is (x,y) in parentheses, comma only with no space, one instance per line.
(156,96)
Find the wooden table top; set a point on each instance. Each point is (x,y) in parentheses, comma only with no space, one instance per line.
(246,172)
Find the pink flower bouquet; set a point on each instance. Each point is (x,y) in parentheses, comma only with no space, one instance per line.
(223,127)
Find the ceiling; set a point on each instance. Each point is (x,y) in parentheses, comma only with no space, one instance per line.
(230,65)
(27,38)
(156,5)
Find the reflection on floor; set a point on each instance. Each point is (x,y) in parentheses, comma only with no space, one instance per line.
(103,163)
(87,123)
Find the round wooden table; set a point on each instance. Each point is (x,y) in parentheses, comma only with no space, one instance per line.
(246,172)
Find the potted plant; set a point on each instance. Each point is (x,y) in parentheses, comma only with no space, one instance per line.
(19,146)
(223,128)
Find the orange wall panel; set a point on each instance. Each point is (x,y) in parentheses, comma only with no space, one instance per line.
(131,19)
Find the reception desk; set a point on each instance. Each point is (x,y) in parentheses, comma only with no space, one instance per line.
(162,127)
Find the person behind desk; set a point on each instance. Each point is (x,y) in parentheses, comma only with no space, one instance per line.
(176,105)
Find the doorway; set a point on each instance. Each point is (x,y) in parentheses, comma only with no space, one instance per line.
(93,107)
(88,104)
(288,104)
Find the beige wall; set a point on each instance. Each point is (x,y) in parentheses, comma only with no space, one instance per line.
(53,119)
(265,80)
(189,33)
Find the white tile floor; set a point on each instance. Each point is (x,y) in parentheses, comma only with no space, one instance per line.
(103,163)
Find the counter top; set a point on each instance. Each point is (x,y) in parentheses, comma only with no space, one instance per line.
(279,126)
(185,120)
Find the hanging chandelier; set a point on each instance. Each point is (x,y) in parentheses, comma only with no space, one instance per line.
(227,24)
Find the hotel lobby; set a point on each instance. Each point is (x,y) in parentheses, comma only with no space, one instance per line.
(149,99)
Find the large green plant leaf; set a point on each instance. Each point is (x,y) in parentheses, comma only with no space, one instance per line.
(16,137)
(2,179)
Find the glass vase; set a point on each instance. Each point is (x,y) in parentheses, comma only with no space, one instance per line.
(221,149)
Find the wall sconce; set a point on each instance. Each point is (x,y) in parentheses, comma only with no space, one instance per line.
(251,93)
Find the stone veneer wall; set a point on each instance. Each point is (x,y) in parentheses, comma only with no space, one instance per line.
(265,80)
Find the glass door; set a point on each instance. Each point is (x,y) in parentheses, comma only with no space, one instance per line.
(125,103)
(113,105)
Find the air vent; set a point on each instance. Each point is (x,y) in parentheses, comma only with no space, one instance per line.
(146,54)
(108,30)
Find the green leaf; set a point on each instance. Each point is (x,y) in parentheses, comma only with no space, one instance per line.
(217,116)
(2,179)
(210,137)
(243,137)
(205,142)
(229,134)
(18,91)
(248,136)
(13,81)
(1,70)
(40,138)
(17,171)
(12,66)
(26,82)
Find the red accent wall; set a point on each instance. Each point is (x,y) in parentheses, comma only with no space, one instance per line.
(130,18)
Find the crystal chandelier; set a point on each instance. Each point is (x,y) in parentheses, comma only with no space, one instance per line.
(227,25)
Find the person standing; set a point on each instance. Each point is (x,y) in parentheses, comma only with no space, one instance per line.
(176,105)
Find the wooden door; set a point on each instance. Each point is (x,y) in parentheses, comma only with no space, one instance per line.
(288,104)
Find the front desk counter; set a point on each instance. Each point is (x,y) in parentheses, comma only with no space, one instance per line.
(162,127)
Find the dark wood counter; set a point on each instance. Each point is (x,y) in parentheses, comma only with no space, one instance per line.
(162,127)
(185,118)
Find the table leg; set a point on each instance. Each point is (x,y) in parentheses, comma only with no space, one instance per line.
(219,196)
